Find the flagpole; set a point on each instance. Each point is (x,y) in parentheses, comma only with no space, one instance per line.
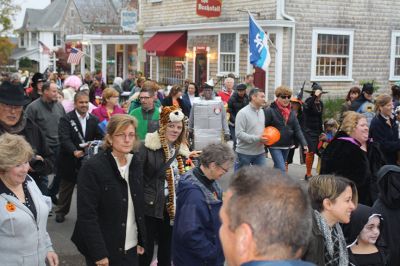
(90,56)
(54,61)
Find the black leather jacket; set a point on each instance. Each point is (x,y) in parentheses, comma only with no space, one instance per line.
(289,130)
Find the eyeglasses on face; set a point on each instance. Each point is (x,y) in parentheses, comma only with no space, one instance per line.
(223,168)
(144,98)
(124,136)
(285,96)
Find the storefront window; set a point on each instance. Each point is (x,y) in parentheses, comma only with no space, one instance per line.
(171,70)
(111,62)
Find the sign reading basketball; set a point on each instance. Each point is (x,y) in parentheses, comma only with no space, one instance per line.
(209,8)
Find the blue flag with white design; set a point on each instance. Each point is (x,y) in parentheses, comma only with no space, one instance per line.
(258,45)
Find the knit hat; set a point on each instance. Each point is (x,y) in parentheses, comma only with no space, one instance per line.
(241,86)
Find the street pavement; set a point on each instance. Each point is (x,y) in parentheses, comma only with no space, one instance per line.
(60,233)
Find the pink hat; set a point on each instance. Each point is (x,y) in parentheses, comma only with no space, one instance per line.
(73,82)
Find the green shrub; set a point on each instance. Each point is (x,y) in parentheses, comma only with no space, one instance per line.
(332,108)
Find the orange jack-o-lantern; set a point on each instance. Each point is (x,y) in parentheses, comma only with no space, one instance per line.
(272,134)
(10,207)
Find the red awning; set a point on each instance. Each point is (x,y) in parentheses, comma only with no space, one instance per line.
(167,44)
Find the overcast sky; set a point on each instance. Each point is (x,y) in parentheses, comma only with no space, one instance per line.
(37,4)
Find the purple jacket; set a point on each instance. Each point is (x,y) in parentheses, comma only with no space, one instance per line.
(102,114)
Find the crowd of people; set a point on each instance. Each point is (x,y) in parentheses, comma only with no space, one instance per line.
(131,160)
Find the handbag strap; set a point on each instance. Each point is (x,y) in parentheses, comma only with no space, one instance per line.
(161,171)
(75,127)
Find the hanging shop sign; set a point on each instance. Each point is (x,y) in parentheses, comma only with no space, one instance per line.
(128,20)
(209,8)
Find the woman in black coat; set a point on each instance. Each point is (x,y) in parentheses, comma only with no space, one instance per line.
(280,116)
(383,128)
(174,99)
(110,228)
(350,154)
(313,108)
(162,155)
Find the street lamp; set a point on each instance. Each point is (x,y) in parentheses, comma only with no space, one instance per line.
(141,52)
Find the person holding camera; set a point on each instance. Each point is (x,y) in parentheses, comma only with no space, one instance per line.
(76,129)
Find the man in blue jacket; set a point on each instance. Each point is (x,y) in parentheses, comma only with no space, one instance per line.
(195,240)
(266,219)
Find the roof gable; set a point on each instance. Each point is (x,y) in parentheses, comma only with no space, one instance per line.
(48,18)
(97,11)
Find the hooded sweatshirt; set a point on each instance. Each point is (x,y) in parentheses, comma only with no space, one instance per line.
(388,204)
(359,218)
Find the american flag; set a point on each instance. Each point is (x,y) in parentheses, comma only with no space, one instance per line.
(75,56)
(45,49)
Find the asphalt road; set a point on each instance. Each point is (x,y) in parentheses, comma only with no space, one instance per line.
(60,233)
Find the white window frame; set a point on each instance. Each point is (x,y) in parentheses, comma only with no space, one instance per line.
(332,31)
(395,35)
(154,1)
(237,51)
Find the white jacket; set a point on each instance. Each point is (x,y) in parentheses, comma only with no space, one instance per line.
(24,240)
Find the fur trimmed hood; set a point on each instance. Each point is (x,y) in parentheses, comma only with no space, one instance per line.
(152,141)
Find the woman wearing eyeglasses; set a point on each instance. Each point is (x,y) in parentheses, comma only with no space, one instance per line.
(110,227)
(280,115)
(199,200)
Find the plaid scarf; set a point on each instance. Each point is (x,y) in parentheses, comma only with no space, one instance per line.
(335,245)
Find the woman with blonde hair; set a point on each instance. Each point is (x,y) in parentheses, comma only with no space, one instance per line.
(384,130)
(109,105)
(24,210)
(110,227)
(333,199)
(353,155)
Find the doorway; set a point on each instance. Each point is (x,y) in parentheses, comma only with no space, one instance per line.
(201,67)
(259,78)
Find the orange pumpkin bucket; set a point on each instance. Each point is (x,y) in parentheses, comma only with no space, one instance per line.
(272,134)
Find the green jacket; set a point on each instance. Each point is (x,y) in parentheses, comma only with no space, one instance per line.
(146,124)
